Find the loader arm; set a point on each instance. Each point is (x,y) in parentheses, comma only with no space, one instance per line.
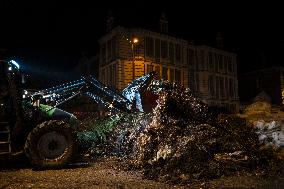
(97,91)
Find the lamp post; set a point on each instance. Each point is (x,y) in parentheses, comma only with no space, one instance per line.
(133,41)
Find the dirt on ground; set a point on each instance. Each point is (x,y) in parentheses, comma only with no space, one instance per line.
(103,173)
(109,173)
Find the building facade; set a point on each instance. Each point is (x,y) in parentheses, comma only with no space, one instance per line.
(121,61)
(214,77)
(211,73)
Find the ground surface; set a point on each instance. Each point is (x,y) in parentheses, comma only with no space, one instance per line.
(105,173)
(112,173)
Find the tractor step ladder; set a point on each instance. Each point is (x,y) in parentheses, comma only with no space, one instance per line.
(5,138)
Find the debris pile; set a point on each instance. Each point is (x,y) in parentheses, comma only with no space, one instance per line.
(182,141)
(185,142)
(113,135)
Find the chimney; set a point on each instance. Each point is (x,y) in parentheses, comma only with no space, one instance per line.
(219,41)
(262,59)
(110,21)
(163,23)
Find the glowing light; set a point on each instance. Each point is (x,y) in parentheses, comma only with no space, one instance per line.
(10,68)
(135,40)
(15,63)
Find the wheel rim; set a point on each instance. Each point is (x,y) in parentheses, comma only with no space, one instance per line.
(52,145)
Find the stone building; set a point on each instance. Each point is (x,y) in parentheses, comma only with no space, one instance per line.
(121,60)
(210,72)
(214,77)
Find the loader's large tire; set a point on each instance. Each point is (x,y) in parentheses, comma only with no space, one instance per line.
(50,145)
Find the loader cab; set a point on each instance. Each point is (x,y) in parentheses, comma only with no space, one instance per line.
(10,102)
(9,67)
(8,84)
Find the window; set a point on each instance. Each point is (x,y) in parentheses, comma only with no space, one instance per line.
(217,87)
(226,64)
(210,61)
(136,49)
(221,63)
(197,82)
(191,80)
(234,107)
(177,53)
(216,63)
(103,53)
(110,76)
(190,57)
(103,76)
(226,87)
(171,53)
(113,48)
(157,49)
(113,75)
(164,49)
(231,91)
(107,75)
(222,89)
(172,76)
(149,46)
(165,73)
(230,64)
(202,57)
(157,70)
(149,68)
(177,75)
(211,86)
(109,50)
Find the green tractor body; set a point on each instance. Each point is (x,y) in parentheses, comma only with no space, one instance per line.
(45,133)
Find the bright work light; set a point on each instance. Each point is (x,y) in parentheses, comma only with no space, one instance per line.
(15,63)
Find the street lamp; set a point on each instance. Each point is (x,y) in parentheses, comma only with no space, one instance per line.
(132,42)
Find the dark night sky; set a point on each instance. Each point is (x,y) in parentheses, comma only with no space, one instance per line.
(53,35)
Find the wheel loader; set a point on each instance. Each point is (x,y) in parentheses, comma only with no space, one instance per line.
(32,122)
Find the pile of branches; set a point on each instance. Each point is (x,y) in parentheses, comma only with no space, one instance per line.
(186,142)
(182,141)
(112,135)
